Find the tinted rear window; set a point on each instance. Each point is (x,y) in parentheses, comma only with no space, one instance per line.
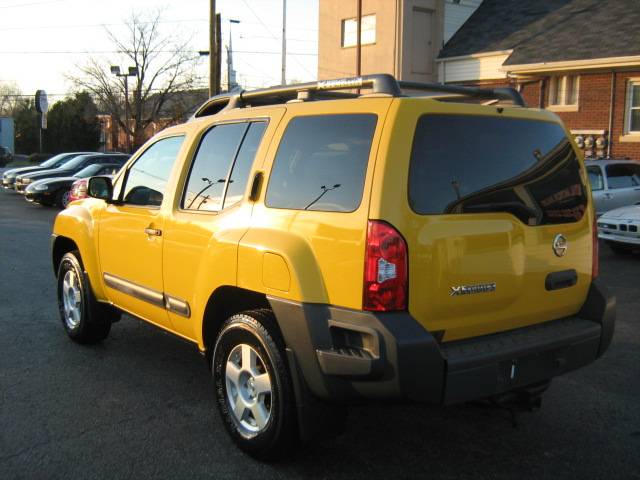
(477,164)
(321,163)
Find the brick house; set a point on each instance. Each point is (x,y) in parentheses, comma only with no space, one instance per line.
(177,108)
(579,58)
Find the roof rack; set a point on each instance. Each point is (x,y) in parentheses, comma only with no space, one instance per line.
(381,83)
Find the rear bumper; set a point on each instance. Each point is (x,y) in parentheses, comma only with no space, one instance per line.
(346,355)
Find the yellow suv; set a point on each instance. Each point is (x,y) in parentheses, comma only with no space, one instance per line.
(338,241)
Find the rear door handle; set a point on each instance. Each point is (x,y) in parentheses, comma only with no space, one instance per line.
(608,195)
(562,279)
(153,231)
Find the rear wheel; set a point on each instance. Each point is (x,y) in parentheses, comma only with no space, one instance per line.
(85,320)
(253,385)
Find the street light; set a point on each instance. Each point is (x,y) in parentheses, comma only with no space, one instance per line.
(231,81)
(133,72)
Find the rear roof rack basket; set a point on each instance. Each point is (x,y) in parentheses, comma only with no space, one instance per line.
(381,83)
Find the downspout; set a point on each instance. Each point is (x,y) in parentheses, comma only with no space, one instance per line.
(611,104)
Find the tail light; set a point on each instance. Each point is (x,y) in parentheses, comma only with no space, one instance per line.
(595,261)
(385,269)
(79,190)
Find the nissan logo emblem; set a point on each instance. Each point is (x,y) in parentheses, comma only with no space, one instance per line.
(560,245)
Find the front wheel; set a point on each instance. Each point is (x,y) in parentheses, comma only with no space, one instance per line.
(62,197)
(253,386)
(84,319)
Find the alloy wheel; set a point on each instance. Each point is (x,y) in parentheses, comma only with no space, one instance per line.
(249,389)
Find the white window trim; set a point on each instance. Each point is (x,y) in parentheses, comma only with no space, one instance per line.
(363,42)
(563,106)
(630,135)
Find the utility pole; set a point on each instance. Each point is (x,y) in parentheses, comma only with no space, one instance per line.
(284,42)
(359,39)
(218,53)
(214,58)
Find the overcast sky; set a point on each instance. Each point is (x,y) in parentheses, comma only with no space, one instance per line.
(43,40)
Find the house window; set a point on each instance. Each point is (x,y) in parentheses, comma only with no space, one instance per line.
(633,107)
(350,31)
(563,90)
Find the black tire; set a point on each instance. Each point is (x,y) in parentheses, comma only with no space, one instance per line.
(92,320)
(256,329)
(620,249)
(62,197)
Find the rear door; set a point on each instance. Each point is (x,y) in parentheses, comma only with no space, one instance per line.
(598,191)
(210,215)
(487,197)
(623,180)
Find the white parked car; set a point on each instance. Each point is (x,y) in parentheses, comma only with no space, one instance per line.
(614,183)
(619,228)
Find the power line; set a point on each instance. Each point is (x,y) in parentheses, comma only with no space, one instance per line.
(65,52)
(95,25)
(20,5)
(271,33)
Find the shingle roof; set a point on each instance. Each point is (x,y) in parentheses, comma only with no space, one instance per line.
(550,30)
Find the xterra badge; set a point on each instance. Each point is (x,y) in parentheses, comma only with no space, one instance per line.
(471,289)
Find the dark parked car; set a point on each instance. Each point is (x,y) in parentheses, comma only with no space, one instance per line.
(5,156)
(9,177)
(56,190)
(69,169)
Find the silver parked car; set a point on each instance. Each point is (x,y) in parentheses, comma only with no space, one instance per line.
(614,183)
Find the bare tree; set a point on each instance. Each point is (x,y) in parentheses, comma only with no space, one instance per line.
(165,66)
(11,99)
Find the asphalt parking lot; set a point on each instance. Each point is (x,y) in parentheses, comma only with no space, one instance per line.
(141,404)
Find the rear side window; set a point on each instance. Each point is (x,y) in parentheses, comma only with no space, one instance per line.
(595,178)
(478,164)
(210,168)
(321,163)
(623,175)
(242,166)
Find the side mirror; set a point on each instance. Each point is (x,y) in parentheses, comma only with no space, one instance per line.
(100,187)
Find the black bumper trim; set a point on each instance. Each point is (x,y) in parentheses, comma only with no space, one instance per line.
(407,362)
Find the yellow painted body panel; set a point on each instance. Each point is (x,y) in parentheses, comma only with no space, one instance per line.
(324,251)
(201,249)
(77,222)
(275,273)
(451,250)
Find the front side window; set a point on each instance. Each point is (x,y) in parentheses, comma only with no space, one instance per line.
(563,90)
(367,32)
(595,178)
(210,168)
(623,175)
(146,180)
(321,163)
(527,168)
(633,107)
